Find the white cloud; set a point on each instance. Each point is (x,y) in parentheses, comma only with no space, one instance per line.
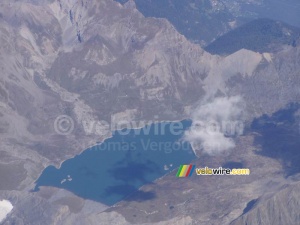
(5,208)
(214,125)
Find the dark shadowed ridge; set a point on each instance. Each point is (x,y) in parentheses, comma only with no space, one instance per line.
(202,21)
(261,35)
(249,206)
(196,20)
(279,137)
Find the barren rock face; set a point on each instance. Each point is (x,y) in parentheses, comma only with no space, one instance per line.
(280,208)
(100,60)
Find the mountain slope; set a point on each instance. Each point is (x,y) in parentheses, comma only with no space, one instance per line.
(73,58)
(203,21)
(280,208)
(262,35)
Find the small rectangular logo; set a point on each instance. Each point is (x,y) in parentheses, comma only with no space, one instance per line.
(185,170)
(188,170)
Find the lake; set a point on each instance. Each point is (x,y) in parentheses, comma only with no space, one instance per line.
(111,171)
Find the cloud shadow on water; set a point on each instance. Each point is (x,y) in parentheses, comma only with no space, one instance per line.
(128,172)
(118,173)
(133,171)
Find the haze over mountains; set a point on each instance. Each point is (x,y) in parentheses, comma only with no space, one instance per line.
(93,60)
(202,21)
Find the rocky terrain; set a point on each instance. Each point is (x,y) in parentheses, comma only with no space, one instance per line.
(97,60)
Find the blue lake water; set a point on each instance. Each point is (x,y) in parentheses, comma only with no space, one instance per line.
(119,166)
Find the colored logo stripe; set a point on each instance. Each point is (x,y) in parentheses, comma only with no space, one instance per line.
(179,171)
(192,170)
(185,171)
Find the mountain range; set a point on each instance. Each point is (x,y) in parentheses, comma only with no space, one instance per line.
(98,60)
